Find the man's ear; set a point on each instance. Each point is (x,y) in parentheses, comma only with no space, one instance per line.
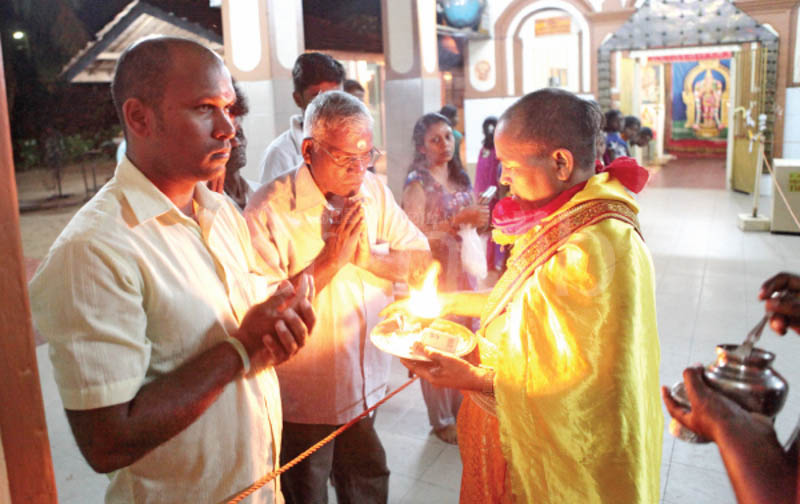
(139,118)
(305,150)
(298,100)
(564,163)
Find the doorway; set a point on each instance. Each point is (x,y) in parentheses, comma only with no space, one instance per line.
(703,103)
(720,115)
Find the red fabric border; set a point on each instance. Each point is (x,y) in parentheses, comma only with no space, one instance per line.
(697,148)
(691,57)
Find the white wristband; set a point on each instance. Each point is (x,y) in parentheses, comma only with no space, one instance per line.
(241,351)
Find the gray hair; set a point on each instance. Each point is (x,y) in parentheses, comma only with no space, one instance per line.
(335,110)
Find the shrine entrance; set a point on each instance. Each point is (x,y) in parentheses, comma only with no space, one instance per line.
(700,89)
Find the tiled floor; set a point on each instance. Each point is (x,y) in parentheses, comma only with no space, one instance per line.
(708,273)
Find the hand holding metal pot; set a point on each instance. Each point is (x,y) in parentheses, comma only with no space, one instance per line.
(705,412)
(743,373)
(744,384)
(733,403)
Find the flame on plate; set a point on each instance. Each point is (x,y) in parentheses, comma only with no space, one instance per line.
(424,302)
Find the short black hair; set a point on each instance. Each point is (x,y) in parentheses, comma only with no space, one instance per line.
(646,132)
(489,125)
(314,67)
(610,115)
(143,68)
(241,107)
(555,119)
(449,111)
(351,85)
(632,122)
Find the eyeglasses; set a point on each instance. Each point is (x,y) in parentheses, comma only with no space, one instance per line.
(346,161)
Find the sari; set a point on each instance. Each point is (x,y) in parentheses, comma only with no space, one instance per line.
(570,330)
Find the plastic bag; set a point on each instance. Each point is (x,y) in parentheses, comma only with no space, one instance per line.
(473,252)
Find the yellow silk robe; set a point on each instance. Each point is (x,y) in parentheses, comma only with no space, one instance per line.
(576,359)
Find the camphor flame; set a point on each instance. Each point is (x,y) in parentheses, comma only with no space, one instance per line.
(424,302)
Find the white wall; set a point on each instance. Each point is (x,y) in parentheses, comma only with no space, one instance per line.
(791,125)
(475,111)
(271,106)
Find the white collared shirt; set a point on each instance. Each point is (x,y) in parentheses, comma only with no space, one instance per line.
(338,373)
(283,154)
(131,290)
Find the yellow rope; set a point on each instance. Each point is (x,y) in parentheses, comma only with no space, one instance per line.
(274,474)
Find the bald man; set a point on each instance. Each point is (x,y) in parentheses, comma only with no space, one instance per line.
(160,336)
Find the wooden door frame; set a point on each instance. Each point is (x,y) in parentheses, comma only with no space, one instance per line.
(26,462)
(733,88)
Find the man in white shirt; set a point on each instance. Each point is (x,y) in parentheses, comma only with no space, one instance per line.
(313,73)
(334,220)
(162,344)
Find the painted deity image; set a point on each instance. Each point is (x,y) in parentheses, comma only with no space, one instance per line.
(704,95)
(708,101)
(697,116)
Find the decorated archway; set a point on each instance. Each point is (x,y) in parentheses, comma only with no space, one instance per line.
(521,18)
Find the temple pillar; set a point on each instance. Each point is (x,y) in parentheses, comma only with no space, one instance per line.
(262,41)
(412,86)
(26,468)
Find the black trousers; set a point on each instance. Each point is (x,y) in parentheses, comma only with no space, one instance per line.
(355,460)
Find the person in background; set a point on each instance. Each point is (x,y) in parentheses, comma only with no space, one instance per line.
(438,198)
(238,188)
(563,390)
(162,339)
(600,148)
(486,171)
(615,146)
(644,137)
(337,222)
(760,469)
(313,73)
(355,88)
(631,126)
(451,113)
(618,145)
(487,175)
(642,140)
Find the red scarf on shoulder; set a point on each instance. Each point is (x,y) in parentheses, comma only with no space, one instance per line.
(510,218)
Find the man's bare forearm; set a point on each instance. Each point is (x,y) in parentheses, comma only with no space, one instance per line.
(398,265)
(322,270)
(761,472)
(465,303)
(117,436)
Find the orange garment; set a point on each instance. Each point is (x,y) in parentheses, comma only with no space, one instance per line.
(485,473)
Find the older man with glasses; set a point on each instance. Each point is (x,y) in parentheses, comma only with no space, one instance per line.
(334,220)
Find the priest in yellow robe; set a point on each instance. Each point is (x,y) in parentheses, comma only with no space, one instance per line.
(563,403)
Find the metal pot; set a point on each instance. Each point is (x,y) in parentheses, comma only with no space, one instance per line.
(750,382)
